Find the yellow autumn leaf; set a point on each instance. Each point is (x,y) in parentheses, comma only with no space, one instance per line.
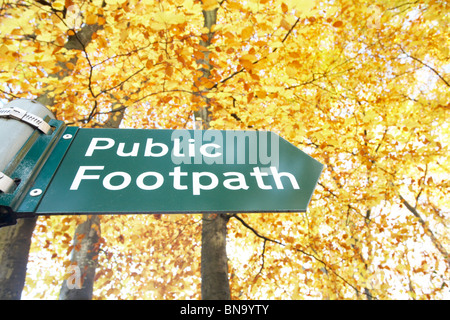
(101,21)
(305,6)
(123,35)
(113,2)
(284,24)
(58,5)
(3,50)
(338,24)
(208,5)
(164,19)
(169,18)
(292,70)
(247,32)
(91,19)
(249,57)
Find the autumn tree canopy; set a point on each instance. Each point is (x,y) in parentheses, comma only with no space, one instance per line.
(361,86)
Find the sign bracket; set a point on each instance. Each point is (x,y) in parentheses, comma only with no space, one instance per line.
(25,168)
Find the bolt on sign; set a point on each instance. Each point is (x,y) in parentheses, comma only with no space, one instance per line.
(172,171)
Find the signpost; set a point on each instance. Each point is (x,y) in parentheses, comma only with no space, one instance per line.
(107,171)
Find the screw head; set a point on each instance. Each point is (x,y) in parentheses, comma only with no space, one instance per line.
(35,192)
(67,136)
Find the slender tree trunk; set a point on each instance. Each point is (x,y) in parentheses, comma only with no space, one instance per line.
(80,284)
(15,244)
(214,265)
(214,262)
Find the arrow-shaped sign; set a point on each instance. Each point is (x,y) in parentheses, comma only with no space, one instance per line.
(172,171)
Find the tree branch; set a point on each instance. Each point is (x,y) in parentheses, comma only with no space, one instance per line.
(426,65)
(262,257)
(288,33)
(427,229)
(245,224)
(9,94)
(255,62)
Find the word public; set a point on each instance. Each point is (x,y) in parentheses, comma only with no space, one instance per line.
(182,178)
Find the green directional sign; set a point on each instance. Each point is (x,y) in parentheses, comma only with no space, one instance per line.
(172,171)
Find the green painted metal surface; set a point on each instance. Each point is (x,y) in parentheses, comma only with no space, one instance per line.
(173,171)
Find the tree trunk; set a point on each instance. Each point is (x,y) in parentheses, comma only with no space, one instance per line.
(15,244)
(214,265)
(214,261)
(80,284)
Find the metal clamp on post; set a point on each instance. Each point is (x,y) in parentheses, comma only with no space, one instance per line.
(6,183)
(29,118)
